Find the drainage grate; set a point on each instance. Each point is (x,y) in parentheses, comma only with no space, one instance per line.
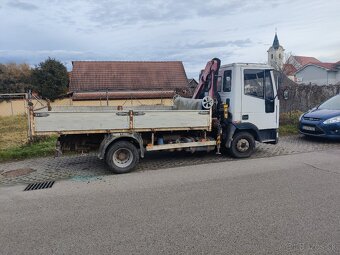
(39,185)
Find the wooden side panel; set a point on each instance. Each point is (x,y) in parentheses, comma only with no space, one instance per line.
(172,119)
(82,122)
(68,121)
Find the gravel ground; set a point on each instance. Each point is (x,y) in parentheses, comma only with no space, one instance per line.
(88,166)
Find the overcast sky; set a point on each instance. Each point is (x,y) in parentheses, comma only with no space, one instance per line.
(192,31)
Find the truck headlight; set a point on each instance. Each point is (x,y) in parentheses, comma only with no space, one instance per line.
(332,120)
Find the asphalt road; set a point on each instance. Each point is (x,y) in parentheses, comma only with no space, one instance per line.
(280,205)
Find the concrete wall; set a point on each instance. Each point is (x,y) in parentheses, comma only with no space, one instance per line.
(304,97)
(316,75)
(18,106)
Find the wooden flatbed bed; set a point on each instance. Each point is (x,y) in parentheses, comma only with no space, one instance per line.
(94,119)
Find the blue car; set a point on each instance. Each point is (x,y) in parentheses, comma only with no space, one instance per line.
(322,121)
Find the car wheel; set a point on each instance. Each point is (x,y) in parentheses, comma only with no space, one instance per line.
(243,145)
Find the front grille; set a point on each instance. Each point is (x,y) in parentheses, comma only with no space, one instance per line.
(311,119)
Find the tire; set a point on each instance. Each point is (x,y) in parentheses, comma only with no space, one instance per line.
(243,145)
(122,157)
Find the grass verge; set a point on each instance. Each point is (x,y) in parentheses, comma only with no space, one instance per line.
(43,147)
(289,122)
(13,140)
(288,129)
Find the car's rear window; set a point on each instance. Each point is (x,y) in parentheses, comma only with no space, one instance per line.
(331,104)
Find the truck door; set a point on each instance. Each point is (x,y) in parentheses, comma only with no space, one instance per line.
(224,85)
(259,104)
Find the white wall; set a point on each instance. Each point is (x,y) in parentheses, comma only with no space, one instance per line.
(316,75)
(337,77)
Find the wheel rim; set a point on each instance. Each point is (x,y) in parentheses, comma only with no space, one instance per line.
(207,102)
(122,157)
(242,145)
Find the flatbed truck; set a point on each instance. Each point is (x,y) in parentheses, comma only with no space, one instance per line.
(232,107)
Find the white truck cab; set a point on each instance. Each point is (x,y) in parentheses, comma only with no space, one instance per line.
(250,91)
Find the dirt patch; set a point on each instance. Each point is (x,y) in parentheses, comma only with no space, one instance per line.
(18,172)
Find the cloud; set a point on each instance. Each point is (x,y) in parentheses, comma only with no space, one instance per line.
(216,44)
(22,5)
(34,57)
(192,31)
(113,13)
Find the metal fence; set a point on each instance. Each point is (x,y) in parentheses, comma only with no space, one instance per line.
(13,104)
(16,104)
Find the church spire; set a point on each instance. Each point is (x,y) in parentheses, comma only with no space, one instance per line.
(276,43)
(276,54)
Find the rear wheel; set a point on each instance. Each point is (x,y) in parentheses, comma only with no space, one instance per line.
(243,145)
(122,157)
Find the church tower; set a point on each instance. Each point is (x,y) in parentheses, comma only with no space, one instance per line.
(276,54)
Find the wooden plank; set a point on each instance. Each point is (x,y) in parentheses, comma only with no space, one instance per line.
(81,121)
(172,119)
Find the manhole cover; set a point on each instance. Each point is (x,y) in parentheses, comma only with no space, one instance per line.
(18,172)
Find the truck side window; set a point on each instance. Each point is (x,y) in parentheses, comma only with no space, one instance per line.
(219,83)
(227,81)
(254,83)
(268,85)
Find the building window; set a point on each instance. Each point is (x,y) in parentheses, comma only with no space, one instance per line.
(272,56)
(280,56)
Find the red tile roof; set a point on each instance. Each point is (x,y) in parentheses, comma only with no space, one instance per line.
(289,69)
(306,60)
(127,76)
(102,95)
(328,66)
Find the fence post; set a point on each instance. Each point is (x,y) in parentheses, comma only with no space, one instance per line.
(11,107)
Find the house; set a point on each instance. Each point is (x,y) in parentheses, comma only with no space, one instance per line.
(319,73)
(302,69)
(127,80)
(309,70)
(192,84)
(300,61)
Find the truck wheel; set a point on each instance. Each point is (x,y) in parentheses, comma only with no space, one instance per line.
(122,157)
(243,145)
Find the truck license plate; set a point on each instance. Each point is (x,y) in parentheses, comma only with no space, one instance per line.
(308,128)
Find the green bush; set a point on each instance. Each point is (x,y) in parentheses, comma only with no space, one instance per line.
(290,118)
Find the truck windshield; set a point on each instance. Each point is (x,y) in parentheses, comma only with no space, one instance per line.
(331,104)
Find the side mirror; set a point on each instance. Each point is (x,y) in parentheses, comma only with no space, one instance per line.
(286,94)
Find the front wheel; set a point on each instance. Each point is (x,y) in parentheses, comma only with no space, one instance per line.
(243,145)
(122,157)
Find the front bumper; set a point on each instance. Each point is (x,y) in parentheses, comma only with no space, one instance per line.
(318,129)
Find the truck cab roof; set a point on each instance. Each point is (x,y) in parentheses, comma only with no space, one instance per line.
(249,65)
